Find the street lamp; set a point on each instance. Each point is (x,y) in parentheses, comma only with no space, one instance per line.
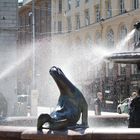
(33,42)
(34,92)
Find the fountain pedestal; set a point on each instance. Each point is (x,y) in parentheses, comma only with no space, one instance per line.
(30,133)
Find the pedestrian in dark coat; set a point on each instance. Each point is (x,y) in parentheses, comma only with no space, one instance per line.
(99,104)
(134,114)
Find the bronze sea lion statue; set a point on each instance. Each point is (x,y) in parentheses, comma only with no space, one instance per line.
(71,105)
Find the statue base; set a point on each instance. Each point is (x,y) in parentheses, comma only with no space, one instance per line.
(30,133)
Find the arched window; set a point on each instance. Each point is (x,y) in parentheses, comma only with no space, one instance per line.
(78,41)
(89,41)
(122,35)
(98,38)
(110,44)
(123,32)
(110,38)
(136,36)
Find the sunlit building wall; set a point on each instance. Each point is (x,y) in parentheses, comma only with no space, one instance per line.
(94,23)
(25,38)
(8,56)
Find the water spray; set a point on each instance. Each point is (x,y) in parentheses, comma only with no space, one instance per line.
(15,65)
(127,57)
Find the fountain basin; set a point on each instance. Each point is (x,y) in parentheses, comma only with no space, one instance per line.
(30,133)
(111,120)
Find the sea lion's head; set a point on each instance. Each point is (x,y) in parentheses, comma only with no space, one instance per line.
(56,73)
(61,80)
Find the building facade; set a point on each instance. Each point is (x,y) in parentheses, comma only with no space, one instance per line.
(42,15)
(8,56)
(95,24)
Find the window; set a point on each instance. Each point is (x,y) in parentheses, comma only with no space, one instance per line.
(135,4)
(59,26)
(136,36)
(69,24)
(87,18)
(30,18)
(89,41)
(42,11)
(78,41)
(123,32)
(97,13)
(135,69)
(109,69)
(54,26)
(77,3)
(60,6)
(77,21)
(122,8)
(69,4)
(122,69)
(110,38)
(49,8)
(137,40)
(98,38)
(109,9)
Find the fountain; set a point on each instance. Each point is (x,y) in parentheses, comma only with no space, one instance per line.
(80,133)
(130,57)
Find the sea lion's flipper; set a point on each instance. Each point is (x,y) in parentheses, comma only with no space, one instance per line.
(43,118)
(59,124)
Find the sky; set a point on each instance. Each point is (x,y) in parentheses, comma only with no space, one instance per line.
(20,0)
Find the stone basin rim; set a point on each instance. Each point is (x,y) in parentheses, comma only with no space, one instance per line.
(124,57)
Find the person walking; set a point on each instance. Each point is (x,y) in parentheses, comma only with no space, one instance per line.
(133,95)
(134,113)
(99,103)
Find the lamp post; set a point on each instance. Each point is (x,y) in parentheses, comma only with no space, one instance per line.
(33,43)
(34,92)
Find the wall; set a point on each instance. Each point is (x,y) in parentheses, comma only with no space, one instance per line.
(8,41)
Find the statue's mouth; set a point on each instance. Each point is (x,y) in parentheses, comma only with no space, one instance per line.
(56,71)
(53,69)
(60,79)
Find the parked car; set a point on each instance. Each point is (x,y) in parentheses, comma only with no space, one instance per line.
(123,106)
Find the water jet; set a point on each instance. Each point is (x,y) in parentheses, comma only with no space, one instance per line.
(129,57)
